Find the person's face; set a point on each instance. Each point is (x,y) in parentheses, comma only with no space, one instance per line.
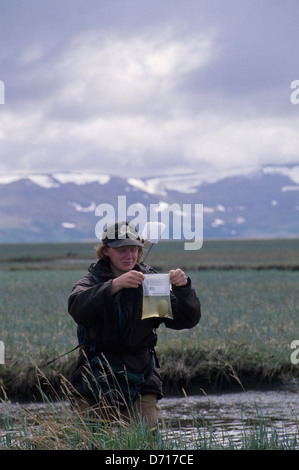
(122,259)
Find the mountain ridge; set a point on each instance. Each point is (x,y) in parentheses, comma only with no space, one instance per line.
(60,206)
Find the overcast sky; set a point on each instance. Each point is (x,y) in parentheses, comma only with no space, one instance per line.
(140,88)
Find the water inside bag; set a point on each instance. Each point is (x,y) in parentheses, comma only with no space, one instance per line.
(156,296)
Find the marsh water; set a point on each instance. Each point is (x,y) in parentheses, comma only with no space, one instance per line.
(226,415)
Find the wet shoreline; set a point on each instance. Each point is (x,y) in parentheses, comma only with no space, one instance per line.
(225,418)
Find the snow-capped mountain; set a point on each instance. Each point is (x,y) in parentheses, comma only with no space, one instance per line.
(62,206)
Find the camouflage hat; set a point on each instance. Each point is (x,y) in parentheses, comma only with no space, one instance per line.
(121,234)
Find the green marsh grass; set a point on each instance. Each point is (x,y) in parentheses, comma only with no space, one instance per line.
(57,426)
(249,319)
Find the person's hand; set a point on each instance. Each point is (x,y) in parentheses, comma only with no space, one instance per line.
(178,277)
(131,279)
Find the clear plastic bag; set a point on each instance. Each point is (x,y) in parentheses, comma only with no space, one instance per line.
(156,296)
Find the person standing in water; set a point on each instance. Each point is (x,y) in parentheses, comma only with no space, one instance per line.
(107,304)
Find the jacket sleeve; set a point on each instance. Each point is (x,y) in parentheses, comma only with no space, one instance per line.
(86,298)
(186,309)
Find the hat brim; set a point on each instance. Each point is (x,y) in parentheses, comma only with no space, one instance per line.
(124,242)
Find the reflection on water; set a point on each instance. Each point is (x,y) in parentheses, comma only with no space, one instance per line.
(223,417)
(229,414)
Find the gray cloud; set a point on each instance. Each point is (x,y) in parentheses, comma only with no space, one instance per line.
(137,87)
